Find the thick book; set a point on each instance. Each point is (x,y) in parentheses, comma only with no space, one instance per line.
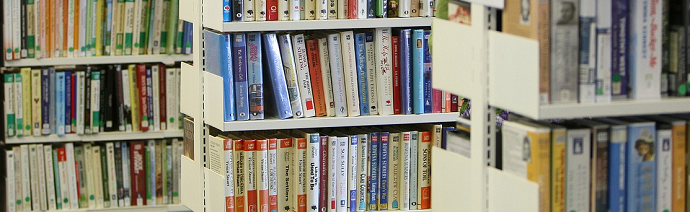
(96,174)
(424,170)
(300,174)
(250,10)
(325,67)
(644,53)
(323,173)
(341,176)
(426,67)
(284,10)
(617,159)
(384,171)
(301,64)
(276,78)
(417,71)
(564,63)
(239,53)
(371,71)
(599,164)
(220,64)
(317,80)
(285,175)
(384,77)
(640,165)
(577,165)
(362,82)
(239,170)
(142,97)
(337,74)
(333,9)
(394,142)
(350,73)
(291,80)
(9,104)
(255,78)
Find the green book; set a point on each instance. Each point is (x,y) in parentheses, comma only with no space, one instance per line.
(164,26)
(95,116)
(129,24)
(172,26)
(9,104)
(89,29)
(180,33)
(18,100)
(120,27)
(56,170)
(104,177)
(30,32)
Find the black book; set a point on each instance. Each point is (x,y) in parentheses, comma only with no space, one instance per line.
(87,101)
(23,16)
(119,104)
(238,10)
(103,101)
(118,173)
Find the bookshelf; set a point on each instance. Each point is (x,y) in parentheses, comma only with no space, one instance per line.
(164,208)
(100,60)
(104,136)
(324,24)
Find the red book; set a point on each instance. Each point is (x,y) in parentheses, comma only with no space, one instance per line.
(323,175)
(273,189)
(238,157)
(76,173)
(453,103)
(352,9)
(436,100)
(447,101)
(161,97)
(73,114)
(315,75)
(143,102)
(250,174)
(272,7)
(138,178)
(424,184)
(397,99)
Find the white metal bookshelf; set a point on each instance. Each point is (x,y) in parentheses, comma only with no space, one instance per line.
(104,136)
(99,60)
(160,208)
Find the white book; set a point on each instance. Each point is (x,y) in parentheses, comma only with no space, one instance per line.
(126,98)
(644,49)
(284,10)
(273,172)
(404,8)
(18,179)
(81,176)
(300,174)
(97,174)
(249,10)
(260,10)
(33,167)
(178,112)
(36,103)
(664,170)
(112,177)
(42,176)
(262,174)
(94,8)
(291,75)
(352,173)
(126,177)
(333,172)
(394,140)
(72,180)
(64,179)
(50,176)
(313,170)
(18,104)
(332,9)
(7,28)
(129,27)
(95,105)
(179,151)
(302,69)
(337,76)
(370,47)
(322,9)
(39,28)
(9,191)
(156,97)
(342,9)
(229,176)
(58,34)
(362,171)
(587,64)
(295,11)
(384,77)
(362,9)
(405,171)
(81,50)
(341,178)
(80,102)
(350,73)
(170,97)
(70,28)
(577,170)
(136,29)
(286,166)
(90,168)
(16,29)
(326,76)
(425,8)
(10,104)
(603,67)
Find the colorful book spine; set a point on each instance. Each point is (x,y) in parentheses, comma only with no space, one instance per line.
(417,72)
(255,76)
(361,64)
(316,77)
(313,172)
(276,76)
(371,72)
(9,105)
(373,172)
(619,48)
(323,174)
(95,104)
(341,178)
(352,173)
(143,100)
(302,70)
(285,176)
(424,171)
(221,64)
(300,175)
(138,173)
(337,74)
(384,77)
(640,166)
(395,42)
(250,170)
(291,75)
(238,157)
(350,73)
(679,139)
(262,174)
(405,161)
(644,53)
(381,8)
(64,176)
(60,103)
(383,168)
(394,171)
(352,11)
(272,10)
(333,169)
(362,171)
(69,97)
(617,160)
(426,67)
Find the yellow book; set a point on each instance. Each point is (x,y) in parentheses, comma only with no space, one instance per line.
(99,26)
(36,101)
(527,153)
(133,93)
(77,26)
(558,140)
(26,99)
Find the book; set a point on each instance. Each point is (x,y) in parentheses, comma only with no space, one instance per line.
(155,88)
(285,176)
(337,74)
(288,56)
(82,190)
(430,96)
(221,65)
(333,168)
(60,103)
(49,177)
(643,55)
(255,76)
(384,78)
(36,102)
(112,174)
(313,161)
(64,179)
(640,165)
(251,173)
(414,144)
(295,12)
(272,174)
(276,78)
(417,70)
(333,9)
(603,52)
(577,169)
(262,180)
(405,161)
(620,35)
(679,162)
(324,172)
(371,70)
(316,76)
(395,42)
(341,176)
(587,53)
(9,104)
(394,170)
(19,103)
(352,172)
(373,171)
(325,67)
(384,172)
(249,10)
(301,64)
(284,10)
(97,174)
(350,73)
(300,174)
(238,157)
(381,8)
(664,164)
(33,169)
(362,81)
(239,53)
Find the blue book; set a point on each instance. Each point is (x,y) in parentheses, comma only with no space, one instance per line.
(352,190)
(383,168)
(219,63)
(620,29)
(239,52)
(45,101)
(373,171)
(405,71)
(417,71)
(371,6)
(227,17)
(51,102)
(617,168)
(276,77)
(255,77)
(640,166)
(444,135)
(68,102)
(427,73)
(60,103)
(361,60)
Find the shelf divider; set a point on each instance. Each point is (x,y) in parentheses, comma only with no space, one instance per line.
(166,59)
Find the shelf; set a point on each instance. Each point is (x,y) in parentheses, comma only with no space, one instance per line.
(104,136)
(615,108)
(167,59)
(320,122)
(348,24)
(162,208)
(456,64)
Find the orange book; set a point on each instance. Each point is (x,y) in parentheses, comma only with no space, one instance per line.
(49,29)
(238,159)
(250,174)
(65,22)
(316,79)
(447,101)
(679,136)
(301,172)
(424,170)
(75,45)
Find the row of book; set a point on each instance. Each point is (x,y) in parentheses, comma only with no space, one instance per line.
(602,51)
(92,99)
(373,72)
(295,10)
(345,169)
(603,164)
(92,175)
(84,28)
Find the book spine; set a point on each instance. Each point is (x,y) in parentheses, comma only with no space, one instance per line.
(640,179)
(316,77)
(313,172)
(599,169)
(371,71)
(285,176)
(291,75)
(262,174)
(341,178)
(273,174)
(105,183)
(322,9)
(619,49)
(18,104)
(342,9)
(394,171)
(87,102)
(7,28)
(250,170)
(138,173)
(309,9)
(361,11)
(70,95)
(52,95)
(10,179)
(60,103)
(159,176)
(255,77)
(577,170)
(272,7)
(333,9)
(361,64)
(426,8)
(45,106)
(564,63)
(417,71)
(16,29)
(64,179)
(384,76)
(383,168)
(35,101)
(405,171)
(168,195)
(162,98)
(149,97)
(333,169)
(143,99)
(240,76)
(277,77)
(249,10)
(414,143)
(163,40)
(80,28)
(679,139)
(426,67)
(260,10)
(397,95)
(95,103)
(89,169)
(81,102)
(10,104)
(325,66)
(134,97)
(284,10)
(179,151)
(122,126)
(587,51)
(362,171)
(128,26)
(323,174)
(352,173)
(238,10)
(403,9)
(119,174)
(437,102)
(229,176)
(424,171)
(300,174)
(302,70)
(373,172)
(112,174)
(558,170)
(81,176)
(33,168)
(664,169)
(381,8)
(337,77)
(352,12)
(136,21)
(645,50)
(155,87)
(72,176)
(28,29)
(152,191)
(49,176)
(170,98)
(350,71)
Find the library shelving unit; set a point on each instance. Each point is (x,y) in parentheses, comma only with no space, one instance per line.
(104,136)
(99,60)
(202,101)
